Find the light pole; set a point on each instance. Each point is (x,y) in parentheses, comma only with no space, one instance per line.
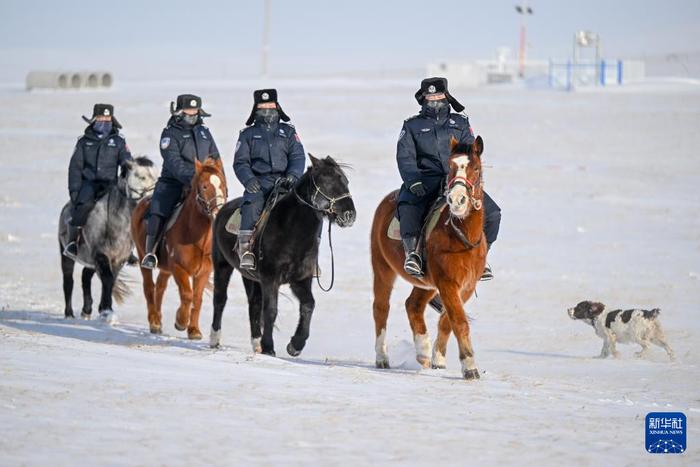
(266,38)
(523,10)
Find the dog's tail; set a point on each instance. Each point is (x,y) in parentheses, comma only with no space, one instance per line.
(652,314)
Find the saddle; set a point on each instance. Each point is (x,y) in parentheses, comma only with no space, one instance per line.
(233,224)
(429,223)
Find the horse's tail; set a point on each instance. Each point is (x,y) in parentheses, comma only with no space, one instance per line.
(121,289)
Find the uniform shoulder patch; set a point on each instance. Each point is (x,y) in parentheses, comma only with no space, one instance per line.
(165,142)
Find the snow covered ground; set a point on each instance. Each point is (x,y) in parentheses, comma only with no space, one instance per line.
(600,200)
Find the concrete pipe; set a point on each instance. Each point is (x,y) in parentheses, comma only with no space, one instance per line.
(68,80)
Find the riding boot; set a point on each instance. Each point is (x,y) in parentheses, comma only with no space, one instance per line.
(71,249)
(246,256)
(150,261)
(413,264)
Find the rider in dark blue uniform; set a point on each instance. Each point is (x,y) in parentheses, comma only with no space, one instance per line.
(267,152)
(422,154)
(97,157)
(182,141)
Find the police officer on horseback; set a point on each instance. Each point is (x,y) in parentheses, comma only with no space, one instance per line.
(98,155)
(268,152)
(183,140)
(422,154)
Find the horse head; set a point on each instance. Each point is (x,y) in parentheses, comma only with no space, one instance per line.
(328,191)
(209,186)
(464,188)
(139,179)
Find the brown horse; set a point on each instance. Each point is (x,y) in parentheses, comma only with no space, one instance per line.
(455,255)
(185,251)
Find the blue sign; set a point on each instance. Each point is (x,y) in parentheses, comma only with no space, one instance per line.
(665,433)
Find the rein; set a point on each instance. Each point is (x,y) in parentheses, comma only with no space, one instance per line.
(330,210)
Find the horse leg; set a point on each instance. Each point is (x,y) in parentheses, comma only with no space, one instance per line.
(222,277)
(444,330)
(440,346)
(182,317)
(86,280)
(415,308)
(104,271)
(67,266)
(157,318)
(302,290)
(270,292)
(254,293)
(452,299)
(384,278)
(199,282)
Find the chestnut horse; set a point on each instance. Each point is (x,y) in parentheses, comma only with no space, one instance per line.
(454,254)
(185,251)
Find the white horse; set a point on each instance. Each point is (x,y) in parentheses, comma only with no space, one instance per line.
(106,239)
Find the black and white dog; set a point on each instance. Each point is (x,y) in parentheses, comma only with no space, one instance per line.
(640,326)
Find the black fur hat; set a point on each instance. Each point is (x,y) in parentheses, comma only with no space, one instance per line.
(262,96)
(433,85)
(106,110)
(188,101)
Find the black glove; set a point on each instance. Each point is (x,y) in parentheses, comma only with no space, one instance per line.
(73,196)
(417,189)
(253,186)
(289,181)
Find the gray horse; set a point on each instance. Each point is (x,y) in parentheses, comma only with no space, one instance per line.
(106,239)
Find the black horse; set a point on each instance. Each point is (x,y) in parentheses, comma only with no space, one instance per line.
(288,253)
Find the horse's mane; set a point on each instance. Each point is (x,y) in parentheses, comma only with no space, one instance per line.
(462,148)
(143,161)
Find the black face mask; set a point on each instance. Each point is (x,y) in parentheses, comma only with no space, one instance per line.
(189,119)
(269,116)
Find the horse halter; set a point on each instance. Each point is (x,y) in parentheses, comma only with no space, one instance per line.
(330,210)
(470,187)
(140,193)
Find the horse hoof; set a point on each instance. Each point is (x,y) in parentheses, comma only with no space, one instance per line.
(436,366)
(156,329)
(194,335)
(384,364)
(180,328)
(292,351)
(255,342)
(424,361)
(108,316)
(271,353)
(85,315)
(69,315)
(471,374)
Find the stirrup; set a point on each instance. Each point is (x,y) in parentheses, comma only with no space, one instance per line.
(150,261)
(248,261)
(71,250)
(413,265)
(487,275)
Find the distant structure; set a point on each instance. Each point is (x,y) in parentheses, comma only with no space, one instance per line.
(583,70)
(68,80)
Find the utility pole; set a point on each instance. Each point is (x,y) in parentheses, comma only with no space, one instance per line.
(266,39)
(523,10)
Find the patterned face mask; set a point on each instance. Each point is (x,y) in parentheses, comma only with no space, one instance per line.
(190,119)
(102,128)
(437,104)
(269,116)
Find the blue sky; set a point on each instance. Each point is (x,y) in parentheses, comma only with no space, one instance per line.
(222,38)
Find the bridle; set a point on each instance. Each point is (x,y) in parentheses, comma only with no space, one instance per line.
(329,211)
(477,204)
(140,193)
(331,200)
(471,187)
